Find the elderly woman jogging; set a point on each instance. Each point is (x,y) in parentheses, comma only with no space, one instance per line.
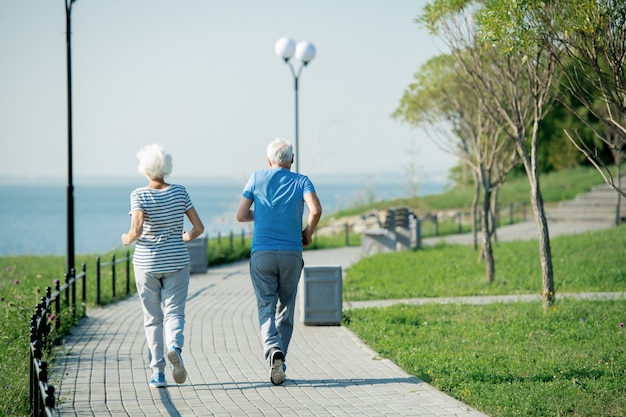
(161,260)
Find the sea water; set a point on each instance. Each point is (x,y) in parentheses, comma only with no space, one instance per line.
(33,217)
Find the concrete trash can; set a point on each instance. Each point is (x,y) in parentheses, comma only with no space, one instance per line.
(198,254)
(320,295)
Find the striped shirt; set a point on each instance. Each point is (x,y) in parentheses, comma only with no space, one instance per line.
(160,247)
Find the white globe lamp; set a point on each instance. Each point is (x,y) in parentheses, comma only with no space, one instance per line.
(285,48)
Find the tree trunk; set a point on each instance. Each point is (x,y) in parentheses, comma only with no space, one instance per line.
(545,253)
(487,249)
(494,211)
(536,199)
(474,210)
(617,158)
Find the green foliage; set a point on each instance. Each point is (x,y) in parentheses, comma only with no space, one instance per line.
(23,281)
(591,261)
(509,359)
(228,249)
(337,241)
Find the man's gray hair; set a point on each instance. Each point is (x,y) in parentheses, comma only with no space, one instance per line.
(154,162)
(280,151)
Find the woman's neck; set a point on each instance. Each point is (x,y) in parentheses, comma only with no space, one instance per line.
(158,184)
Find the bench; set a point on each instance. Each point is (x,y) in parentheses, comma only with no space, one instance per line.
(399,231)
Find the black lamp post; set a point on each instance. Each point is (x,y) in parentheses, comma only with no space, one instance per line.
(70,185)
(304,52)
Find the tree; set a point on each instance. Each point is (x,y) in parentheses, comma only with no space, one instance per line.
(592,36)
(515,92)
(441,99)
(587,40)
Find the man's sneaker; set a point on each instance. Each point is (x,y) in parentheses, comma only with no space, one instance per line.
(157,380)
(277,369)
(178,367)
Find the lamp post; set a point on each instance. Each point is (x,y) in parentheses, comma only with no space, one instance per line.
(304,52)
(70,184)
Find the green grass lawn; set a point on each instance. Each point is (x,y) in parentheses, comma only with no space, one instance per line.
(503,359)
(509,359)
(593,261)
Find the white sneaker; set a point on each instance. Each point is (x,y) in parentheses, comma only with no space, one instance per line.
(178,367)
(277,369)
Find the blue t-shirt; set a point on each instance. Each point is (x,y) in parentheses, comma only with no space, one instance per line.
(160,247)
(278,196)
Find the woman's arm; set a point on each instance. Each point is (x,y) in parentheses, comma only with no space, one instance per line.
(136,228)
(196,225)
(244,212)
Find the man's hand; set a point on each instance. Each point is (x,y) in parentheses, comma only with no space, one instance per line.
(307,239)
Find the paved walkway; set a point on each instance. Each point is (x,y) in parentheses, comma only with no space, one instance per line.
(104,368)
(330,371)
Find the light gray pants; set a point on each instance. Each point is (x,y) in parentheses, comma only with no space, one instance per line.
(163,297)
(275,275)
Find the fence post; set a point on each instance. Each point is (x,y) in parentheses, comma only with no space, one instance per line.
(459,217)
(113,275)
(67,288)
(98,281)
(347,232)
(243,238)
(84,298)
(57,301)
(232,242)
(73,291)
(33,336)
(127,272)
(511,213)
(49,297)
(35,354)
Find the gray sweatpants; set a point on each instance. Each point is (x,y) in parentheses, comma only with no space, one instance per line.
(163,297)
(275,275)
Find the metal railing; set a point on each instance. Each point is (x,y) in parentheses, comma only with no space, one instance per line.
(100,265)
(47,318)
(41,325)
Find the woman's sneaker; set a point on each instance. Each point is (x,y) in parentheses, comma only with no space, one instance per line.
(277,369)
(178,367)
(157,380)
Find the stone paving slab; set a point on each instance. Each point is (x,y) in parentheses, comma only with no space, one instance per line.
(103,370)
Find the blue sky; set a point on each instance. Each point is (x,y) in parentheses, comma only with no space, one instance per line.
(201,78)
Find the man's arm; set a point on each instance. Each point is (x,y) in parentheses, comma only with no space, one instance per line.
(315,213)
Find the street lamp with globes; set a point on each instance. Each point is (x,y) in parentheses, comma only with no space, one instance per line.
(304,52)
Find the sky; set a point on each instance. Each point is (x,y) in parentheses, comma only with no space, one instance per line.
(202,79)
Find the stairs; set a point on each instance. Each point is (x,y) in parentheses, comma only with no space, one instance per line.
(598,205)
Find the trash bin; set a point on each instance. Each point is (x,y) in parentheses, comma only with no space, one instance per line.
(320,295)
(198,254)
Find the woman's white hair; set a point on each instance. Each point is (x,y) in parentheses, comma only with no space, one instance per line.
(154,162)
(280,151)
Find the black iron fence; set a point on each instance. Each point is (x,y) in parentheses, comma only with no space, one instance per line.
(50,315)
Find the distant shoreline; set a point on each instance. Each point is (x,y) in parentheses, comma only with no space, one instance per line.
(383,177)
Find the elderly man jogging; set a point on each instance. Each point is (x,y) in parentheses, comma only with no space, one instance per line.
(279,197)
